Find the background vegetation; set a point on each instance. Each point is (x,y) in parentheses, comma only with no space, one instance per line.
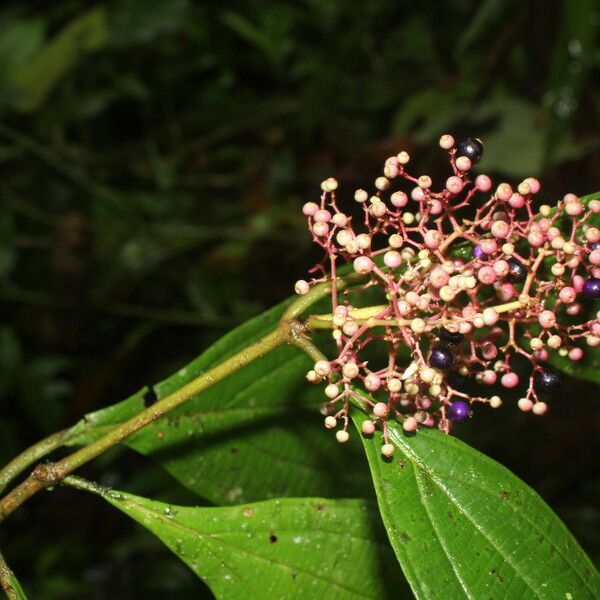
(153,159)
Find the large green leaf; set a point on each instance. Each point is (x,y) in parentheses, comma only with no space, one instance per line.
(290,548)
(463,526)
(10,584)
(256,435)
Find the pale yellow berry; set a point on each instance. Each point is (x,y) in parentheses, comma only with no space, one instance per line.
(396,241)
(412,389)
(424,181)
(427,374)
(330,422)
(435,390)
(447,293)
(350,370)
(312,377)
(322,368)
(403,157)
(361,196)
(417,325)
(387,450)
(495,401)
(394,385)
(352,247)
(301,287)
(342,436)
(363,240)
(382,183)
(332,391)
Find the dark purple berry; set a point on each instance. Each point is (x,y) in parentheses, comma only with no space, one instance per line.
(517,271)
(478,253)
(450,337)
(547,381)
(594,246)
(459,410)
(591,288)
(441,357)
(472,148)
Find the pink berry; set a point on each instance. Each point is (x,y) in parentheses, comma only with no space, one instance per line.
(516,201)
(380,410)
(525,404)
(575,354)
(486,275)
(392,259)
(567,295)
(489,246)
(534,184)
(454,184)
(322,216)
(433,239)
(372,382)
(410,424)
(310,208)
(510,380)
(504,192)
(547,319)
(368,427)
(363,265)
(483,183)
(399,199)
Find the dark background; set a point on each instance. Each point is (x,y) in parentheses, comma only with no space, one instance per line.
(154,157)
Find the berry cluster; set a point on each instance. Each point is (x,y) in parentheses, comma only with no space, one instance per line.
(470,278)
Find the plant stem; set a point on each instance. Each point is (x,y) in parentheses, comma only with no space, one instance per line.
(290,331)
(45,475)
(8,581)
(30,456)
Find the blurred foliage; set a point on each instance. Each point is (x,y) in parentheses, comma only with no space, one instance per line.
(153,157)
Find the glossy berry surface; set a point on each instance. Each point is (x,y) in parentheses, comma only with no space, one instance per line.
(450,337)
(471,148)
(441,358)
(459,410)
(591,288)
(547,381)
(517,272)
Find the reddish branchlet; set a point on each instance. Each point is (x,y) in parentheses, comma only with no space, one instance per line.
(469,279)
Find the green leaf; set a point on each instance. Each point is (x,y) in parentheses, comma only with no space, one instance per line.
(588,368)
(258,434)
(286,548)
(35,80)
(10,584)
(463,526)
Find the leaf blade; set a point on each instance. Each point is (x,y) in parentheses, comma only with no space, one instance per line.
(276,548)
(253,436)
(467,507)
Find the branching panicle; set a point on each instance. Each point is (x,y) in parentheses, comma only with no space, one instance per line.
(470,279)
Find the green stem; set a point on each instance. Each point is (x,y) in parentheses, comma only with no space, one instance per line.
(46,474)
(80,483)
(16,466)
(9,582)
(290,331)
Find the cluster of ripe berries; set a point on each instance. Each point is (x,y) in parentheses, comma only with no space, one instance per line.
(470,277)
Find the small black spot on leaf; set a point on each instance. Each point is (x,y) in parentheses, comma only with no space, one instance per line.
(272,538)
